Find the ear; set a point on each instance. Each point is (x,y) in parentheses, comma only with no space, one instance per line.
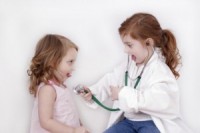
(149,42)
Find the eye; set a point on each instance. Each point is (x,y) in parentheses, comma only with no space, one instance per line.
(70,62)
(130,45)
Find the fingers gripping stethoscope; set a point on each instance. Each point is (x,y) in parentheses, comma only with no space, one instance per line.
(79,89)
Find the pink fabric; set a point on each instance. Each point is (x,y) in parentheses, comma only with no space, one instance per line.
(64,110)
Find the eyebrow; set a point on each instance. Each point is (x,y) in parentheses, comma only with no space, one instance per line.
(128,43)
(70,60)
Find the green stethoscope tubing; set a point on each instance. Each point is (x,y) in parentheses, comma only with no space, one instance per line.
(103,106)
(100,104)
(126,83)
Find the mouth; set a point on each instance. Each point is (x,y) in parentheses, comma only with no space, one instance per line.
(68,75)
(133,57)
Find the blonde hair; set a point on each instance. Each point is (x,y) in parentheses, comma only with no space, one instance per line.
(142,26)
(48,54)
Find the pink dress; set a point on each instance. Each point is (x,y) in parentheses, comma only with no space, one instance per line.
(64,110)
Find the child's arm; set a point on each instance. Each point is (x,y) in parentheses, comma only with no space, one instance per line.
(101,89)
(46,100)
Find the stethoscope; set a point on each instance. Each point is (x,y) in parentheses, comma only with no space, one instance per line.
(138,78)
(79,89)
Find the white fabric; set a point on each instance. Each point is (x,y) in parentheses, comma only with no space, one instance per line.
(157,94)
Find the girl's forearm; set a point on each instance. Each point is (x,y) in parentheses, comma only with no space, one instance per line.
(54,126)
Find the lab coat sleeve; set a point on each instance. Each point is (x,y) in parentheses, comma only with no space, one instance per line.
(101,90)
(160,98)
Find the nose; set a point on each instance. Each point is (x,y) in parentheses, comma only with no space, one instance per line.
(126,50)
(73,68)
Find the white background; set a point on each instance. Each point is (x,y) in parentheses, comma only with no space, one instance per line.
(93,26)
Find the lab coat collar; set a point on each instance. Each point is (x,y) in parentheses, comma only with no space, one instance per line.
(156,55)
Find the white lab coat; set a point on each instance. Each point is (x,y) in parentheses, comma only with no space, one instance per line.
(157,94)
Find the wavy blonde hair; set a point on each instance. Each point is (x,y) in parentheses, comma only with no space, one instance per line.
(48,54)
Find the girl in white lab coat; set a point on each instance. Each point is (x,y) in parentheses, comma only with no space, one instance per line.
(144,88)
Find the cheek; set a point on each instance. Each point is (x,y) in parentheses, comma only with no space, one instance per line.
(142,54)
(64,67)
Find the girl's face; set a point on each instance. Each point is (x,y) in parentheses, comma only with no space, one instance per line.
(66,65)
(135,48)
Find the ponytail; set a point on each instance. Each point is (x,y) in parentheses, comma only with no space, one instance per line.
(170,51)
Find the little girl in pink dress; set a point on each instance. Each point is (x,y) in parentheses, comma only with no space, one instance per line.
(54,110)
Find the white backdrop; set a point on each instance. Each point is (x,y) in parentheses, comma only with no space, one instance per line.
(93,26)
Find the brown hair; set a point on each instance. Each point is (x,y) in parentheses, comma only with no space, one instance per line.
(142,26)
(48,54)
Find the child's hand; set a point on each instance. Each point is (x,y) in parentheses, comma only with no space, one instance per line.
(114,92)
(81,130)
(87,96)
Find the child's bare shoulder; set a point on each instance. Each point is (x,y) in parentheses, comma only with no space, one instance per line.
(47,89)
